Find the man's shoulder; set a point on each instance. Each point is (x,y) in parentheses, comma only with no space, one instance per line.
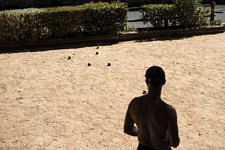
(171,110)
(135,103)
(138,99)
(169,107)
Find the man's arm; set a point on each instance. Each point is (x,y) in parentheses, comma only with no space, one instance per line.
(173,128)
(129,127)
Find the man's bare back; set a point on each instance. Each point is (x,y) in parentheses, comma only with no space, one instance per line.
(156,121)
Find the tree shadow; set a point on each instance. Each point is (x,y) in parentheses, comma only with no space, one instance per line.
(23,47)
(175,33)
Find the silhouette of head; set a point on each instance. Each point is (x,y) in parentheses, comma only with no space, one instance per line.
(155,76)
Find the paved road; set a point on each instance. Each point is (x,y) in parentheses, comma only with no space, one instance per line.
(132,15)
(220,12)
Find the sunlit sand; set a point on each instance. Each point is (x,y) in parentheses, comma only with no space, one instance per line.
(48,101)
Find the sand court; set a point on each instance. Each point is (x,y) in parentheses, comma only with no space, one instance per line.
(48,101)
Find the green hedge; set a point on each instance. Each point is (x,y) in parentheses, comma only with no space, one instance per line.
(159,15)
(104,18)
(184,13)
(190,13)
(57,22)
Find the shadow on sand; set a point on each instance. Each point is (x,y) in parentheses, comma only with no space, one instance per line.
(24,47)
(140,35)
(43,47)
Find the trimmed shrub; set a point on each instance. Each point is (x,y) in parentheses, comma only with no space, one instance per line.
(190,13)
(34,24)
(20,24)
(216,22)
(105,19)
(184,13)
(58,22)
(159,15)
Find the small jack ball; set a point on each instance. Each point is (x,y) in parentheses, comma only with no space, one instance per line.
(68,57)
(89,64)
(109,64)
(96,53)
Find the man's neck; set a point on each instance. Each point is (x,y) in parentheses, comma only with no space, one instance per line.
(155,92)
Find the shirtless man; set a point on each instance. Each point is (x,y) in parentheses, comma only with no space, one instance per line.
(150,118)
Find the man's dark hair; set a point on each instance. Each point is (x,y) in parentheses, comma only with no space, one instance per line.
(155,76)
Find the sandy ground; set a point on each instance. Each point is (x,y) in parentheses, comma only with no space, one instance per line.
(48,102)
